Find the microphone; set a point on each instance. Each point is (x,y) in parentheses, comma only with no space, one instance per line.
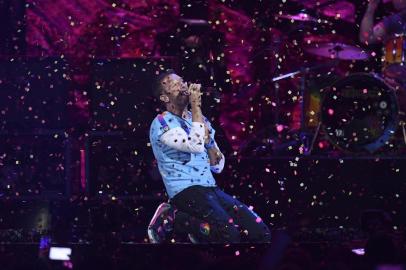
(185,90)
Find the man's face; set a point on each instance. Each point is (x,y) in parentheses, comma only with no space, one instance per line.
(175,91)
(399,4)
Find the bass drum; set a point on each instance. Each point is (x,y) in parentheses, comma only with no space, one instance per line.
(359,113)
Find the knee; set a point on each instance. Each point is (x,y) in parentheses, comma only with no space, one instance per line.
(219,232)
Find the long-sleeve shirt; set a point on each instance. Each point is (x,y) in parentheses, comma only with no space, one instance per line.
(178,146)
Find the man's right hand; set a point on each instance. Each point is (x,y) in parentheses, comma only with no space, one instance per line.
(195,100)
(195,97)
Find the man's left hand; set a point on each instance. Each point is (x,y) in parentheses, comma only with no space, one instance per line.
(206,134)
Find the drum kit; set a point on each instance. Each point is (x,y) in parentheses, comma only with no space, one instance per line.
(359,112)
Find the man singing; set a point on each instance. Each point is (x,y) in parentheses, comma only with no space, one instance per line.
(187,153)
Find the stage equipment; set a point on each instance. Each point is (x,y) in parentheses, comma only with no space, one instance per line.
(302,17)
(338,51)
(394,58)
(360,113)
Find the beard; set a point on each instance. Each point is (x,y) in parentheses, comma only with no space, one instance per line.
(182,100)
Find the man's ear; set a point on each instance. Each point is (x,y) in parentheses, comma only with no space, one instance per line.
(164,98)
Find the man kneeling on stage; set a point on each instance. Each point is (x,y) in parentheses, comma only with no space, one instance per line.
(187,154)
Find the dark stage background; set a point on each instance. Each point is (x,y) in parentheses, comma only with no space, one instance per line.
(76,105)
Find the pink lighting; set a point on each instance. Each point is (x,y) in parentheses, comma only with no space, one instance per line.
(279,128)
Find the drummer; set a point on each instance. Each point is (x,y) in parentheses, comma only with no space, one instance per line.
(391,31)
(371,33)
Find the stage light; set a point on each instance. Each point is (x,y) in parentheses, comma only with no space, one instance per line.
(60,253)
(358,251)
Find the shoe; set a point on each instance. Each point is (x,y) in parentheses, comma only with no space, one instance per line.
(161,225)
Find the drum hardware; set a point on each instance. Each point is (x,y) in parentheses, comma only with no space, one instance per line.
(301,17)
(379,122)
(316,134)
(379,130)
(304,71)
(403,124)
(360,113)
(394,54)
(337,51)
(303,20)
(376,122)
(194,22)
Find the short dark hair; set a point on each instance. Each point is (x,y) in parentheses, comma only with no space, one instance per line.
(157,90)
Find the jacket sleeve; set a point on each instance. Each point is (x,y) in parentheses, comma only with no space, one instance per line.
(218,168)
(178,139)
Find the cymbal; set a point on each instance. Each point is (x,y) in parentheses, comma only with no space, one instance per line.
(337,51)
(302,17)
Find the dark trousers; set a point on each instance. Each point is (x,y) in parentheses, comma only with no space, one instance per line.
(211,215)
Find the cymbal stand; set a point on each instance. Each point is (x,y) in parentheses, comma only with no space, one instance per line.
(306,139)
